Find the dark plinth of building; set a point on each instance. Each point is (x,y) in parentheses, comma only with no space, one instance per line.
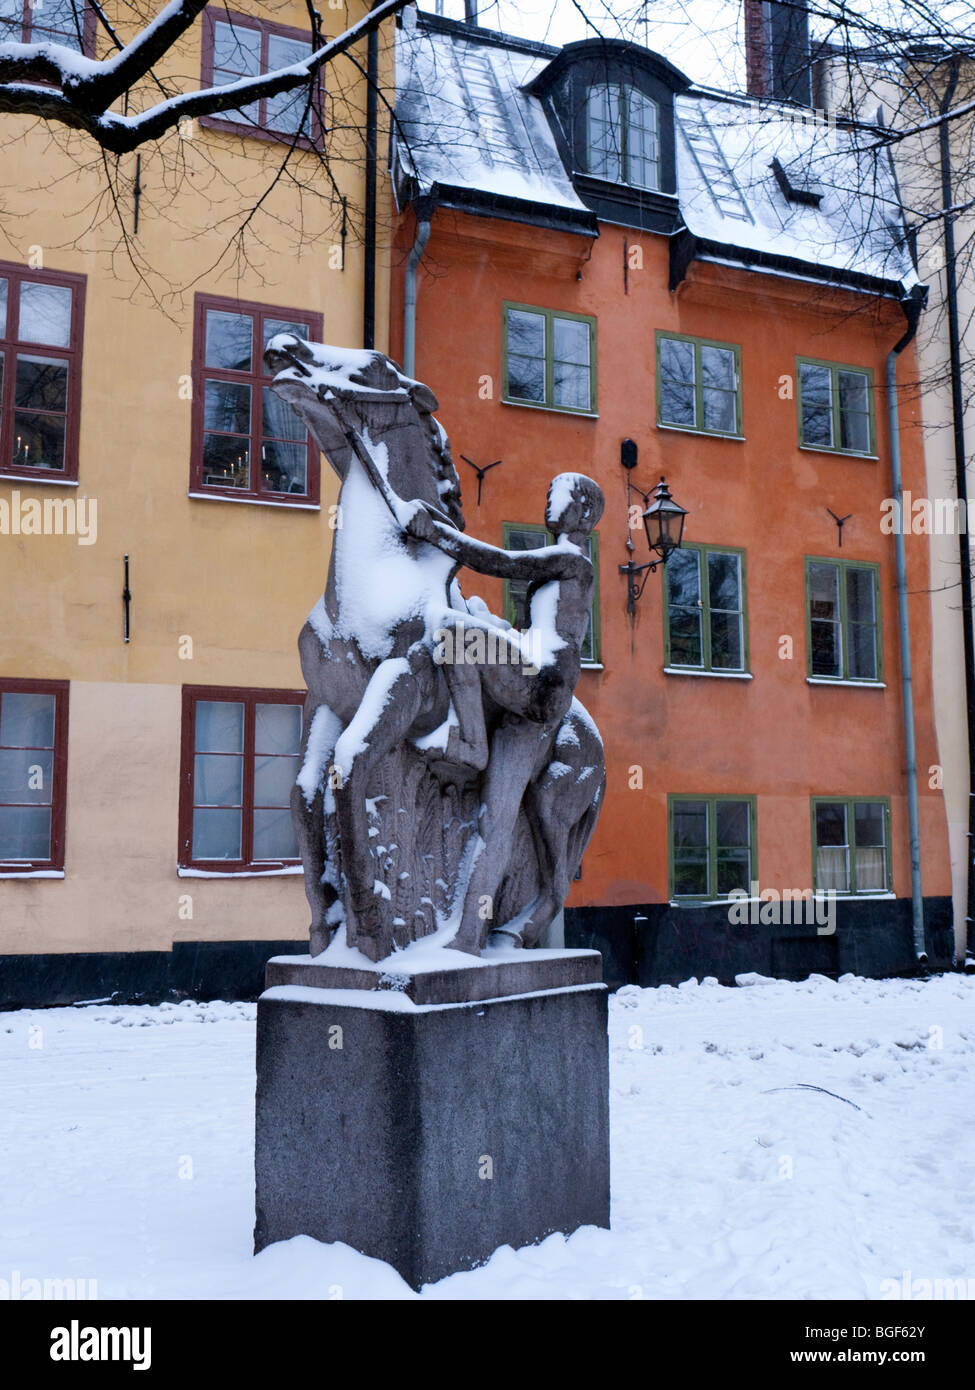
(429,1135)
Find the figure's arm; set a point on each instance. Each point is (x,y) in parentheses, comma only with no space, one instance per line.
(545,563)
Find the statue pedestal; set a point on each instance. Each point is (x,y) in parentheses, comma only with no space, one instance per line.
(429,1134)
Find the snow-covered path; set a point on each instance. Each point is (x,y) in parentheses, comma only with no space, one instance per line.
(126,1152)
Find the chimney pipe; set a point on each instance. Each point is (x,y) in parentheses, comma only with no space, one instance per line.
(777,60)
(758,49)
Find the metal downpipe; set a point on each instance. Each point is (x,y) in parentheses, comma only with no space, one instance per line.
(424,212)
(903,622)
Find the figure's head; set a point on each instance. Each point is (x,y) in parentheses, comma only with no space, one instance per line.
(333,389)
(574,506)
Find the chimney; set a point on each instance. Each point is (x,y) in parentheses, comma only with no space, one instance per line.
(777,62)
(470,12)
(758,47)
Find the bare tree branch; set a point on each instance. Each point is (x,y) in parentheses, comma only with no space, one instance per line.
(80,90)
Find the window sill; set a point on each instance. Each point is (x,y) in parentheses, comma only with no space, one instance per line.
(592,666)
(839,453)
(836,680)
(280,871)
(704,902)
(843,895)
(635,188)
(245,130)
(255,501)
(704,434)
(38,477)
(819,895)
(7,871)
(715,675)
(553,409)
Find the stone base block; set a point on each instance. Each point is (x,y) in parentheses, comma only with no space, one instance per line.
(430,1135)
(467,978)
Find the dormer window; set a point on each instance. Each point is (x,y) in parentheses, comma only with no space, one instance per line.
(623,135)
(610,105)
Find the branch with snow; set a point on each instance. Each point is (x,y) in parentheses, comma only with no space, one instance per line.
(79,91)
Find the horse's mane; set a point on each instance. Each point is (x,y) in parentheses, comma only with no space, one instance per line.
(424,402)
(448,481)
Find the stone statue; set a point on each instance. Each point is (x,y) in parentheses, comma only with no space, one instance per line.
(450,782)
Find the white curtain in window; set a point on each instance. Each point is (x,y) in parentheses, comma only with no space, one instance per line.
(831,869)
(871,875)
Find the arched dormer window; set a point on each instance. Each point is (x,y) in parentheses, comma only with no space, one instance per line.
(610,106)
(622,135)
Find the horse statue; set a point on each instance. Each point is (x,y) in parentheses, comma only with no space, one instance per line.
(439,796)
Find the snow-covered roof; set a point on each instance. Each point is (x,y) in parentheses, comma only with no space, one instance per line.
(471,133)
(729,193)
(467,122)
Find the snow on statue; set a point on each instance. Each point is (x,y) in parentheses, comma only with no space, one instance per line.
(450,781)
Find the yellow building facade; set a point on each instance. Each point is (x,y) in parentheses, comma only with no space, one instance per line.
(909,95)
(149,677)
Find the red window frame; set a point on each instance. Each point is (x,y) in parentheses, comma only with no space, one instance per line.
(11,345)
(250,697)
(256,378)
(59,799)
(267,29)
(28,26)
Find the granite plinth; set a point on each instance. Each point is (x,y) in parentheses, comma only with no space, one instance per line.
(428,1135)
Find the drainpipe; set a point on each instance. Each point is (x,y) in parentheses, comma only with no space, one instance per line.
(912,308)
(423,207)
(372,123)
(961,489)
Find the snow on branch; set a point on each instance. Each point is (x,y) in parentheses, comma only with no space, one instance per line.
(79,91)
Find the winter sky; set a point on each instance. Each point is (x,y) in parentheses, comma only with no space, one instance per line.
(704,37)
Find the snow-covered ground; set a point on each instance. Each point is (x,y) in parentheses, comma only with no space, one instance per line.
(126,1141)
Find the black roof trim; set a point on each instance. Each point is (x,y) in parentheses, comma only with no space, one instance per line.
(579,221)
(425,19)
(608,49)
(802,270)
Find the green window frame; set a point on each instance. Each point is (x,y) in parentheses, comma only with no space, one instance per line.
(517,535)
(622,135)
(548,359)
(845,864)
(843,635)
(719,627)
(712,846)
(699,385)
(836,408)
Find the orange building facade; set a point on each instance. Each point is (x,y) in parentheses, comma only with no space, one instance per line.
(756,740)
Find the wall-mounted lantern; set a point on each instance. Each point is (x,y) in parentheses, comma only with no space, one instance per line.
(663,521)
